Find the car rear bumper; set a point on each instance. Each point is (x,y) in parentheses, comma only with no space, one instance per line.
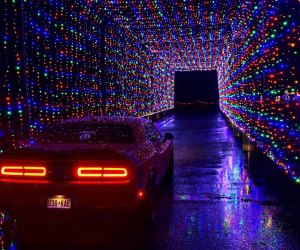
(34,197)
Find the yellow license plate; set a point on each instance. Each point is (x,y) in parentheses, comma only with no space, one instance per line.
(59,201)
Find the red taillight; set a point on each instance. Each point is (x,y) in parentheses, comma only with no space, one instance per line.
(12,170)
(103,172)
(115,172)
(34,171)
(19,170)
(89,172)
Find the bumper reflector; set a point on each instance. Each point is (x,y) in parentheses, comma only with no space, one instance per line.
(140,194)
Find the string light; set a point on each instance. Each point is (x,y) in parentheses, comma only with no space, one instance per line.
(74,58)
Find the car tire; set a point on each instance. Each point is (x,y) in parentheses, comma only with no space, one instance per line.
(170,171)
(148,206)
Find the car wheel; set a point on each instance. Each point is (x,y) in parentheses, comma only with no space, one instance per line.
(170,171)
(148,206)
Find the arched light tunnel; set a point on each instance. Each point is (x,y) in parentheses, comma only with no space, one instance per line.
(73,58)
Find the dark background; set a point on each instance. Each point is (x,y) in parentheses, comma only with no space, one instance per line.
(192,86)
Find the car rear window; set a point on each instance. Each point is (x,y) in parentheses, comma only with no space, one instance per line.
(89,133)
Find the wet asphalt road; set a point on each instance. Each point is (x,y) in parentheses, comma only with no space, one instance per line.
(220,199)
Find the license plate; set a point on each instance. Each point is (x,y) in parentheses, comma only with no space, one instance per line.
(59,201)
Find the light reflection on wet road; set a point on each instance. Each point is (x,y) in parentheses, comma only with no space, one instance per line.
(217,202)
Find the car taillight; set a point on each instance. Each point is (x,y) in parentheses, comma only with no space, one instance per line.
(89,172)
(103,172)
(19,170)
(115,172)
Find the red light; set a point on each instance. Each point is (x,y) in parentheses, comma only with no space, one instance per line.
(89,172)
(33,171)
(115,172)
(12,170)
(140,194)
(102,172)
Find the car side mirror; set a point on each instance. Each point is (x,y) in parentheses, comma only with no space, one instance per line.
(168,136)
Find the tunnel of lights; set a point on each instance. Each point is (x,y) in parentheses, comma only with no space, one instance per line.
(73,58)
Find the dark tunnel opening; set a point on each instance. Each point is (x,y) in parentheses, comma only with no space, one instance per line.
(196,89)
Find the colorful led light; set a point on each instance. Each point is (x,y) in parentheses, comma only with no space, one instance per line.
(68,59)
